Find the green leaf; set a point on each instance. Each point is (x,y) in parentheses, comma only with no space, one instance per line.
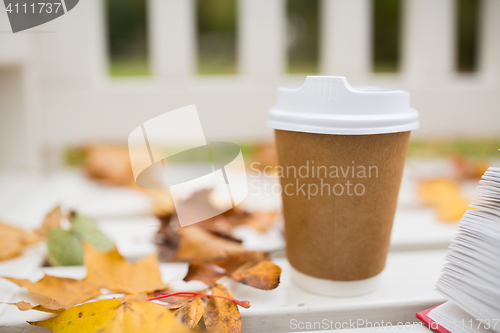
(63,248)
(85,229)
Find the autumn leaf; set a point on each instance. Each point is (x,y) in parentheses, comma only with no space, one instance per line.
(233,261)
(63,292)
(52,220)
(222,314)
(63,248)
(264,275)
(111,315)
(174,303)
(167,239)
(444,195)
(191,313)
(470,168)
(111,271)
(199,244)
(251,268)
(453,210)
(13,241)
(437,191)
(109,164)
(135,312)
(25,306)
(86,229)
(210,239)
(204,272)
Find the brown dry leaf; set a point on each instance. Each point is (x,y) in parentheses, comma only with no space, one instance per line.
(64,292)
(13,241)
(25,306)
(52,220)
(221,314)
(444,195)
(210,239)
(234,261)
(191,313)
(220,226)
(111,271)
(203,272)
(110,164)
(111,315)
(199,244)
(167,239)
(264,275)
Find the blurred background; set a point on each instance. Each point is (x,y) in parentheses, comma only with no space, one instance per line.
(94,74)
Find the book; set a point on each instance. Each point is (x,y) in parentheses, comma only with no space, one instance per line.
(470,278)
(431,323)
(448,317)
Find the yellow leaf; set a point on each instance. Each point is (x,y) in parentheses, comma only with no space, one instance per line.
(64,292)
(452,210)
(111,271)
(444,195)
(191,313)
(82,318)
(13,241)
(264,275)
(113,316)
(222,314)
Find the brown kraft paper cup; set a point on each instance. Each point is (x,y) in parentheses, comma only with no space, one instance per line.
(340,237)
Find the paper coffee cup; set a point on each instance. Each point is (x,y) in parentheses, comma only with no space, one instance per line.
(341,155)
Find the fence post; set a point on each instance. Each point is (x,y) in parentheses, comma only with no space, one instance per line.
(489,40)
(345,37)
(261,33)
(172,41)
(428,38)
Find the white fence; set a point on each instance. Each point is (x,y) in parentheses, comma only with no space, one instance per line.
(54,90)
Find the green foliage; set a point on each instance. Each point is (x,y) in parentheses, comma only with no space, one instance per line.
(468,11)
(303,36)
(386,35)
(446,148)
(84,228)
(216,36)
(64,247)
(127,37)
(217,16)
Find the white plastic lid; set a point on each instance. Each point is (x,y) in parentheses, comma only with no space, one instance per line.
(329,105)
